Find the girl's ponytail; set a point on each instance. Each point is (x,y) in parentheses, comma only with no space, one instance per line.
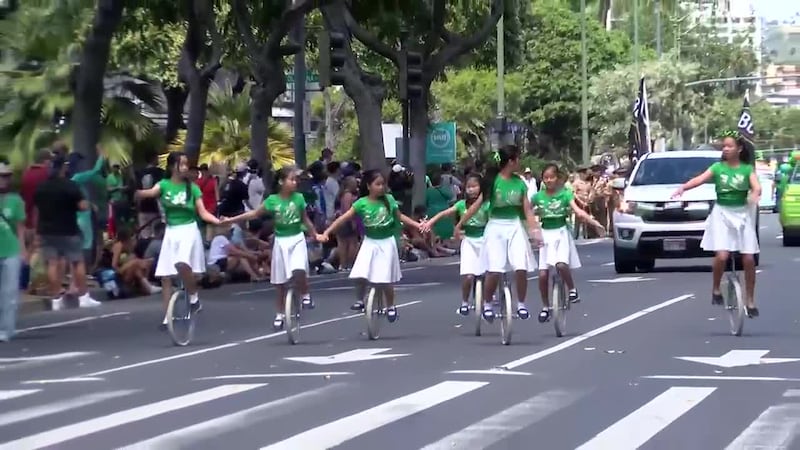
(498,160)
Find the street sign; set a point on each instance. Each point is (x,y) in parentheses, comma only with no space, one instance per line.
(738,358)
(312,81)
(440,143)
(622,280)
(357,355)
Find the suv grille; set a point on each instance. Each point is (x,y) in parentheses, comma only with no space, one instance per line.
(660,214)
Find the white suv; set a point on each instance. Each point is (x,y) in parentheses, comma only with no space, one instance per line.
(649,225)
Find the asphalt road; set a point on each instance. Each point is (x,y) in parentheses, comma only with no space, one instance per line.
(106,378)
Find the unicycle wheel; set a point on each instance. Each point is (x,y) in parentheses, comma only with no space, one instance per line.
(373,310)
(734,304)
(180,318)
(291,310)
(507,316)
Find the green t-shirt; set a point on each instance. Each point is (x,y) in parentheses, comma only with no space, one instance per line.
(379,221)
(178,209)
(477,223)
(553,209)
(114,181)
(287,213)
(13,209)
(507,198)
(732,183)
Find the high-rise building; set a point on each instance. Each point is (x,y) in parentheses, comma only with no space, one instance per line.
(782,58)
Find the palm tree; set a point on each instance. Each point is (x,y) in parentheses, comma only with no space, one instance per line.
(37,94)
(226,138)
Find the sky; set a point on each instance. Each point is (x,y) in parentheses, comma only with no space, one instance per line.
(777,9)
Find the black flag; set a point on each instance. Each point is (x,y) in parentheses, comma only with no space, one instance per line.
(745,125)
(639,133)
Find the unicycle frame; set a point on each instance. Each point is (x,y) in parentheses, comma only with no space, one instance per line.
(291,313)
(559,303)
(505,314)
(374,310)
(180,301)
(732,297)
(477,302)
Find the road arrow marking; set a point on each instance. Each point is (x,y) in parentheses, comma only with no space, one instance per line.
(738,358)
(357,355)
(622,280)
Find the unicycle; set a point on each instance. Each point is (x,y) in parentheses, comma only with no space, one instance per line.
(374,310)
(291,311)
(477,296)
(181,318)
(733,298)
(559,302)
(506,314)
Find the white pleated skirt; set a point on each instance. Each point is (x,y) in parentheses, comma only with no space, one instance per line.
(731,228)
(289,254)
(471,263)
(377,261)
(506,247)
(558,247)
(181,244)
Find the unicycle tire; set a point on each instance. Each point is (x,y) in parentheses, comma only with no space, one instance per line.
(291,311)
(181,320)
(373,312)
(558,300)
(478,296)
(507,316)
(734,304)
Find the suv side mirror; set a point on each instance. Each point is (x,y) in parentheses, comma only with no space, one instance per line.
(618,183)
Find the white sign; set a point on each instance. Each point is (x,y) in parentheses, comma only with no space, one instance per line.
(738,358)
(357,355)
(622,280)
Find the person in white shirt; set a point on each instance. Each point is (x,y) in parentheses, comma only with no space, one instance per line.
(331,190)
(530,181)
(231,258)
(255,185)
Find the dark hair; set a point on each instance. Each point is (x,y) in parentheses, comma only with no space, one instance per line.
(368,178)
(124,235)
(472,176)
(174,160)
(497,162)
(436,177)
(746,150)
(549,166)
(332,167)
(280,176)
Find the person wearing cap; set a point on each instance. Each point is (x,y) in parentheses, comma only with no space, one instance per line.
(12,251)
(530,181)
(234,195)
(59,201)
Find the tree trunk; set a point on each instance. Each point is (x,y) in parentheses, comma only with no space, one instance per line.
(196,123)
(89,80)
(176,100)
(419,131)
(260,112)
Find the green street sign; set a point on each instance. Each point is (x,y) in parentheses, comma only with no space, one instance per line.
(311,77)
(440,143)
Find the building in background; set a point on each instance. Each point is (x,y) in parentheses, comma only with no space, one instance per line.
(782,71)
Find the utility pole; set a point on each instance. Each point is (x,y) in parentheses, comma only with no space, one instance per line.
(329,135)
(300,94)
(584,89)
(501,125)
(658,28)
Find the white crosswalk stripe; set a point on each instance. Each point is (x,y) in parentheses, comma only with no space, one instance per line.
(80,419)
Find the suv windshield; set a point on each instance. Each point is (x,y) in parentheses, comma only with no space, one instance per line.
(670,170)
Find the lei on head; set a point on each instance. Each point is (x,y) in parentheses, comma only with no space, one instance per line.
(496,157)
(729,134)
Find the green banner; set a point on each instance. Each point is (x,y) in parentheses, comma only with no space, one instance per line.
(440,143)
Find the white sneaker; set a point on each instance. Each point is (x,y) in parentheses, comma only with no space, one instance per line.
(57,304)
(86,301)
(154,289)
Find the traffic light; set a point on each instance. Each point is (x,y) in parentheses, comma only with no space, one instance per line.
(332,58)
(411,79)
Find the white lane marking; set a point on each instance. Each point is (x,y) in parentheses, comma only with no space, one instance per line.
(718,378)
(792,393)
(775,428)
(57,407)
(185,437)
(275,375)
(578,339)
(780,236)
(500,426)
(312,282)
(607,264)
(340,431)
(230,344)
(71,322)
(32,361)
(640,426)
(16,393)
(91,426)
(535,277)
(64,380)
(397,287)
(592,241)
(489,372)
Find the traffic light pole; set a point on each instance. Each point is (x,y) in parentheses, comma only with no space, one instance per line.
(300,94)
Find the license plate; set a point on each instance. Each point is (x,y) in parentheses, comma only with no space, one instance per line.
(673,205)
(674,245)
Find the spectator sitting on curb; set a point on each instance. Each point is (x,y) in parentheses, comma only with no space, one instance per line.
(233,260)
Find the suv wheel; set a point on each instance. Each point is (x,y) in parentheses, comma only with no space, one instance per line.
(622,263)
(646,265)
